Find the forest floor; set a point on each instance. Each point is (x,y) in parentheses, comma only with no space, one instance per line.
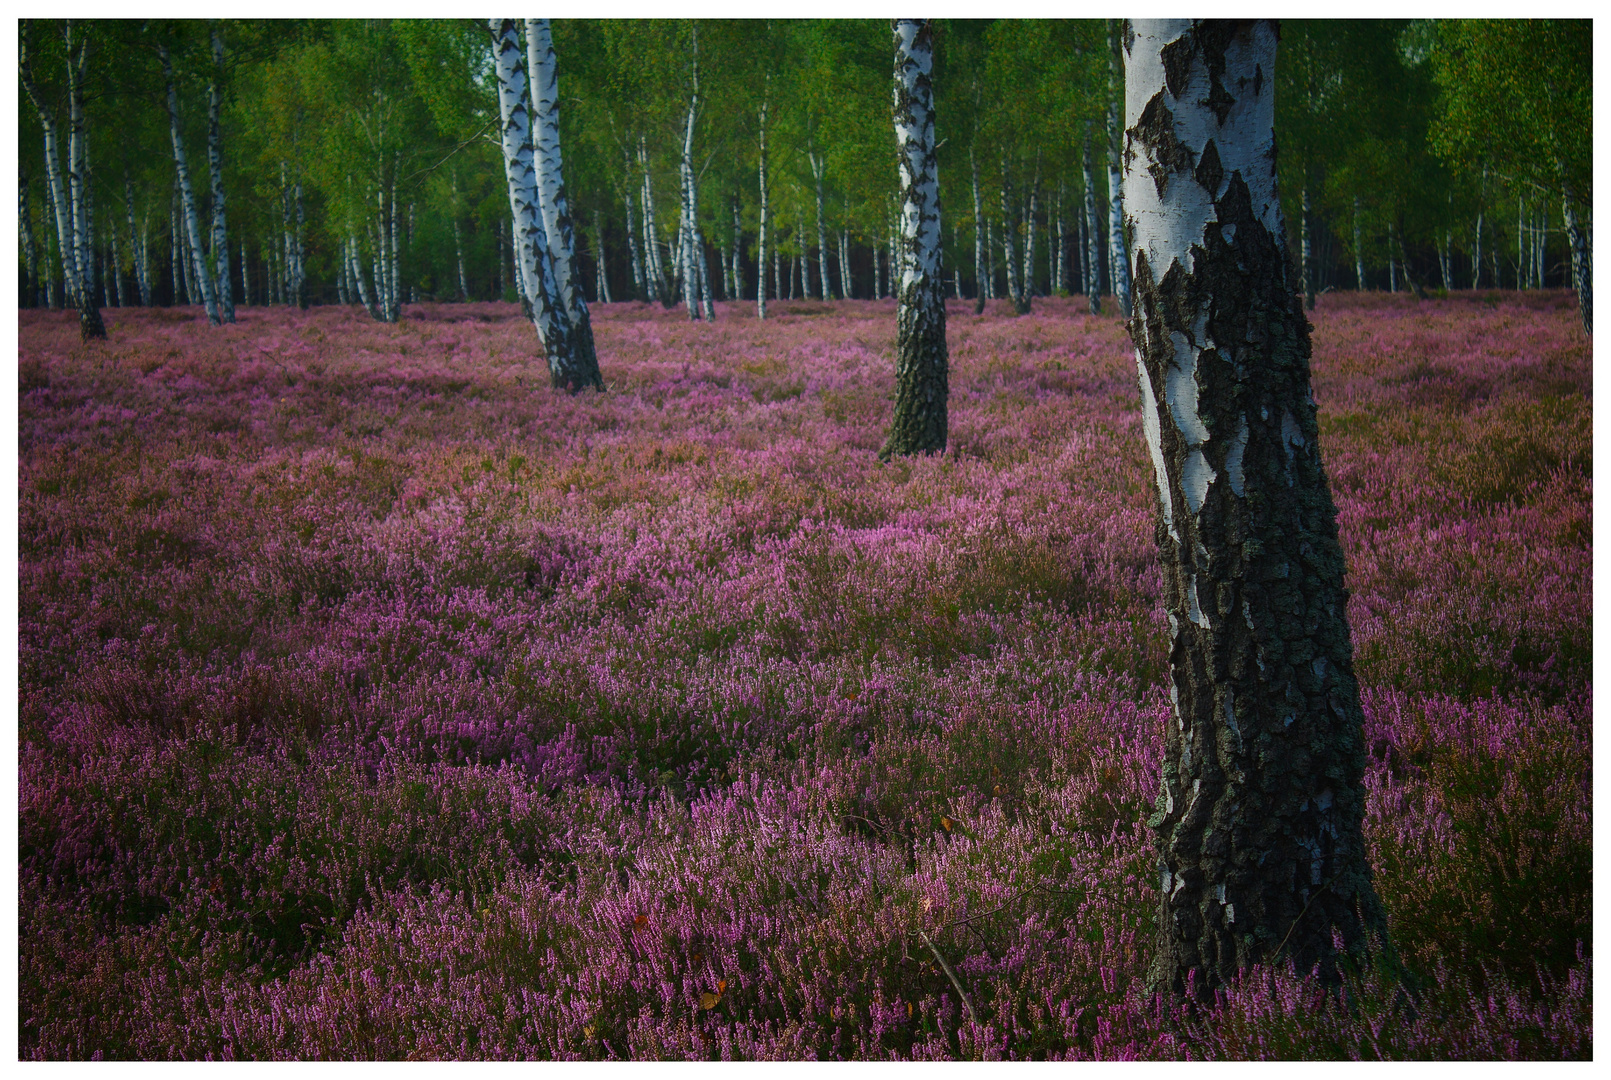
(376,701)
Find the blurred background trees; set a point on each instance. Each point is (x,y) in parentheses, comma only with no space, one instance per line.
(359,160)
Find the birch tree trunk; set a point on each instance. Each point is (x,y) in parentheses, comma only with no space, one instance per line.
(65,196)
(1359,252)
(1093,276)
(1305,270)
(639,281)
(603,283)
(1118,255)
(978,240)
(688,233)
(544,71)
(215,164)
(1261,799)
(1009,249)
(824,289)
(921,367)
(26,238)
(762,234)
(142,280)
(1577,240)
(1030,211)
(568,367)
(187,196)
(115,266)
(355,270)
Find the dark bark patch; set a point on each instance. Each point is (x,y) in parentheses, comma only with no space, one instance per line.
(1177,58)
(1209,171)
(1155,131)
(1258,79)
(1129,38)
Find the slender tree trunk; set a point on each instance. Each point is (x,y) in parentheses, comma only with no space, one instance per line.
(551,193)
(1118,255)
(1359,251)
(66,197)
(1306,269)
(1060,259)
(1028,287)
(639,279)
(762,234)
(114,267)
(1009,248)
(186,195)
(921,362)
(979,240)
(567,367)
(800,284)
(777,274)
(355,269)
(215,163)
(824,289)
(1261,799)
(26,237)
(136,246)
(1577,241)
(1443,262)
(1093,279)
(688,234)
(1476,257)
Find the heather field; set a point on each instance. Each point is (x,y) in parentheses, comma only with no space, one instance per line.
(378,702)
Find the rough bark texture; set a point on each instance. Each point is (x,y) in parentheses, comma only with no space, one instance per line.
(551,188)
(1582,262)
(549,315)
(1260,802)
(921,387)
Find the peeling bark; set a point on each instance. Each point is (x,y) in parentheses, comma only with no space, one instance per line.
(921,375)
(1261,799)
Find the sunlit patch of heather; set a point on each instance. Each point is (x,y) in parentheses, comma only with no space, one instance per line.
(377,701)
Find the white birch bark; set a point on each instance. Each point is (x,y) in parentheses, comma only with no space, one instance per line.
(1030,212)
(187,196)
(640,282)
(978,240)
(824,290)
(687,232)
(544,70)
(1305,269)
(142,281)
(1118,256)
(549,315)
(1261,797)
(64,201)
(920,423)
(115,267)
(763,236)
(1359,252)
(215,164)
(1093,274)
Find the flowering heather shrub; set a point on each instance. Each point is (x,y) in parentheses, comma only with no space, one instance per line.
(377,701)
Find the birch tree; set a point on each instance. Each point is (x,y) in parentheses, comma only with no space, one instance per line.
(66,196)
(921,368)
(567,368)
(196,258)
(1518,98)
(215,163)
(1118,257)
(1260,802)
(551,189)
